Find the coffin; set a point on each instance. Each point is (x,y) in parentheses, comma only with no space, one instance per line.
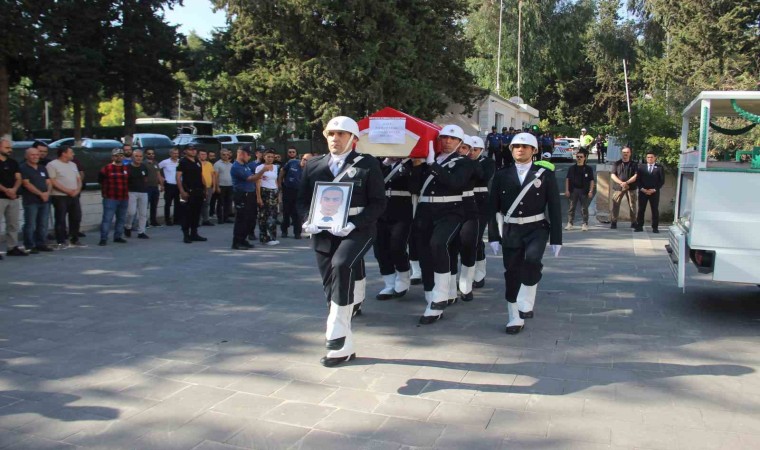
(392,133)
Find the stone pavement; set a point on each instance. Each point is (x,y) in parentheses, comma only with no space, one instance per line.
(162,345)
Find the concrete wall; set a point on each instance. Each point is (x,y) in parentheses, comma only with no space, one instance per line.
(603,197)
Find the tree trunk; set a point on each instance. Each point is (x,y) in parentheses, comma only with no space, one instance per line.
(130,115)
(77,122)
(89,115)
(5,111)
(56,116)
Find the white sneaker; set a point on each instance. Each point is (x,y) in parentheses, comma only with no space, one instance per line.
(569,226)
(584,227)
(273,243)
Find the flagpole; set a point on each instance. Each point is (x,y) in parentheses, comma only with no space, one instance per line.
(498,54)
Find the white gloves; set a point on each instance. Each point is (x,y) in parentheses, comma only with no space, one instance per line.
(389,161)
(310,228)
(495,247)
(555,249)
(339,231)
(431,154)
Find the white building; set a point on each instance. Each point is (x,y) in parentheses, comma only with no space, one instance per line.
(493,110)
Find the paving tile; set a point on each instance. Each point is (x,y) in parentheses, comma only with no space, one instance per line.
(263,434)
(354,399)
(409,407)
(177,370)
(554,404)
(304,392)
(258,384)
(409,432)
(319,440)
(456,437)
(462,415)
(518,423)
(246,405)
(155,388)
(211,445)
(300,414)
(352,423)
(643,436)
(570,428)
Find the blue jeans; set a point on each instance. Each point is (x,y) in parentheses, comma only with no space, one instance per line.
(36,216)
(113,208)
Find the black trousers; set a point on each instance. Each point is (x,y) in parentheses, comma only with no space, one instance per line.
(654,203)
(65,206)
(433,239)
(212,204)
(153,196)
(191,212)
(468,241)
(245,213)
(390,246)
(342,266)
(224,203)
(171,196)
(412,246)
(523,249)
(498,157)
(480,253)
(290,212)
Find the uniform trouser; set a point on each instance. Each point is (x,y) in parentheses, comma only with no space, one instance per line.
(433,239)
(137,211)
(654,202)
(468,241)
(9,210)
(35,224)
(480,253)
(245,212)
(498,157)
(523,249)
(190,212)
(66,206)
(224,204)
(153,196)
(412,245)
(617,199)
(578,196)
(171,196)
(602,155)
(390,245)
(290,212)
(206,205)
(268,215)
(213,202)
(342,266)
(113,208)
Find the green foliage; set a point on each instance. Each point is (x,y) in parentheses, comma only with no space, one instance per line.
(112,112)
(652,128)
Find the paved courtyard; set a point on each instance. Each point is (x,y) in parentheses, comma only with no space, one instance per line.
(161,345)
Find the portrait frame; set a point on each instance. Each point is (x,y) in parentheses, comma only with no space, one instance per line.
(339,214)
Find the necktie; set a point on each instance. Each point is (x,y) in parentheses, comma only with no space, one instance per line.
(650,169)
(327,219)
(336,167)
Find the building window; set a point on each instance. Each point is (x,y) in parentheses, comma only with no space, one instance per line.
(498,121)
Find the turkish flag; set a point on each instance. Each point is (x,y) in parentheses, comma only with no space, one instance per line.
(392,133)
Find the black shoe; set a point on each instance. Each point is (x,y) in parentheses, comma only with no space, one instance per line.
(283,234)
(15,251)
(80,234)
(526,315)
(229,221)
(332,362)
(247,244)
(207,223)
(155,224)
(655,230)
(33,251)
(128,232)
(298,236)
(187,240)
(415,281)
(514,329)
(451,301)
(251,237)
(384,296)
(633,224)
(467,297)
(143,236)
(43,248)
(399,294)
(613,226)
(479,284)
(357,310)
(102,243)
(198,238)
(76,243)
(638,230)
(120,240)
(240,247)
(427,320)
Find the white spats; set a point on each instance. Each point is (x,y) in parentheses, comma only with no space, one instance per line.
(401,285)
(466,276)
(515,324)
(339,326)
(526,298)
(480,270)
(387,292)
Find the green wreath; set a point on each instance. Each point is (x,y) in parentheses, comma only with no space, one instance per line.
(731,132)
(754,118)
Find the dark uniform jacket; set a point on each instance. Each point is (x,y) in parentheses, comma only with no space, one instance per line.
(506,187)
(486,170)
(399,208)
(368,192)
(470,204)
(654,180)
(449,178)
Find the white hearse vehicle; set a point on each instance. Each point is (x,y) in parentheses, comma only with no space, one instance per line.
(717,205)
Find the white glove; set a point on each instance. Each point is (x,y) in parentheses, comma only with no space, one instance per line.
(556,249)
(339,231)
(431,154)
(495,247)
(389,161)
(310,228)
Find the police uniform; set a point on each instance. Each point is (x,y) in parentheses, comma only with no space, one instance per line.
(437,219)
(244,200)
(487,170)
(465,244)
(340,258)
(526,232)
(393,229)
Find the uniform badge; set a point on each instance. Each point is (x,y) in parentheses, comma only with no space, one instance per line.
(537,183)
(351,172)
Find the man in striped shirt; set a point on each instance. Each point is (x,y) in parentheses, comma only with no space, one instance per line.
(114,179)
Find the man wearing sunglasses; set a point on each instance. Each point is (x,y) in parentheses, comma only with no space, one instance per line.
(579,188)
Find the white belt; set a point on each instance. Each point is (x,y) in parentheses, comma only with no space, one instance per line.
(468,194)
(440,199)
(391,193)
(481,189)
(355,211)
(523,220)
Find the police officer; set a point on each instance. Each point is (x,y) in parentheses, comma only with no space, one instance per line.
(191,193)
(493,139)
(243,197)
(442,180)
(340,250)
(519,199)
(480,189)
(465,244)
(393,229)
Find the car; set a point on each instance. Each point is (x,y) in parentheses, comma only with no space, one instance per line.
(209,143)
(574,142)
(563,150)
(158,142)
(233,140)
(61,142)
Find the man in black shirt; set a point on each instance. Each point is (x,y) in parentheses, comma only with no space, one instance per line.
(579,187)
(191,194)
(624,186)
(137,184)
(10,181)
(36,200)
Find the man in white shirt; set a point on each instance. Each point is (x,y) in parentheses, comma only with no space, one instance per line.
(223,187)
(168,179)
(67,184)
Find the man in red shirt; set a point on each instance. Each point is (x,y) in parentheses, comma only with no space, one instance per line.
(113,180)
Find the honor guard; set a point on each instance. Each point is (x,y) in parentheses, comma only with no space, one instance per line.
(340,250)
(465,245)
(521,197)
(439,213)
(487,168)
(393,229)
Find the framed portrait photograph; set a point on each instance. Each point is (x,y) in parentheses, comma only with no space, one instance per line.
(330,204)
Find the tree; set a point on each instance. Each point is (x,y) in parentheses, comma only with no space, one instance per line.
(112,112)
